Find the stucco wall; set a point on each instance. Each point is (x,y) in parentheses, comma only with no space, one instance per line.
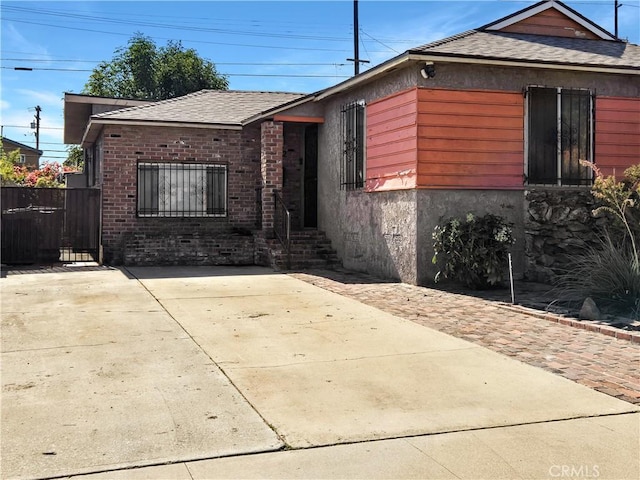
(435,206)
(370,232)
(378,235)
(515,79)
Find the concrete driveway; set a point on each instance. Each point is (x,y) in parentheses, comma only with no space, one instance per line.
(111,369)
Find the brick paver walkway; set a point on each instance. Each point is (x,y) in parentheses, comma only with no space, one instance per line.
(604,363)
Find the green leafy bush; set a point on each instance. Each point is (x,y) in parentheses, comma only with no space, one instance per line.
(473,251)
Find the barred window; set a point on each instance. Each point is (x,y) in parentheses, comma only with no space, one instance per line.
(182,190)
(353,144)
(559,135)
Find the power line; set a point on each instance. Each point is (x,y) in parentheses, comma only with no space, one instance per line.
(104,16)
(282,75)
(185,40)
(42,128)
(265,64)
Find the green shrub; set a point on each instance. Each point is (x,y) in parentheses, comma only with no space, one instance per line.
(473,251)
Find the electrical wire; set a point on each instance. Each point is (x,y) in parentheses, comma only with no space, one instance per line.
(269,64)
(282,75)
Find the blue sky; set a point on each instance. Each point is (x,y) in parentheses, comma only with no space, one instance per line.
(295,46)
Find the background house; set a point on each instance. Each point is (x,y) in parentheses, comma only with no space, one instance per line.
(29,156)
(493,120)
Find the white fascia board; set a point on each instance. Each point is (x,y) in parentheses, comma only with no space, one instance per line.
(545,6)
(124,102)
(531,64)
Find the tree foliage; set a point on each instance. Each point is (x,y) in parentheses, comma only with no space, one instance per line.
(143,70)
(75,158)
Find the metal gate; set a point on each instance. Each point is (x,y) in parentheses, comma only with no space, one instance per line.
(50,225)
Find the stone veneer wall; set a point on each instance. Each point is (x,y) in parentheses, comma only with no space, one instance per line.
(558,224)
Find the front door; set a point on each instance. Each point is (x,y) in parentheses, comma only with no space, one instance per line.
(311,176)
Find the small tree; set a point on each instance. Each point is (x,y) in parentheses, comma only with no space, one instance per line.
(143,71)
(8,164)
(75,158)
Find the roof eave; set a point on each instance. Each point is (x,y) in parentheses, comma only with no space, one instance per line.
(96,124)
(21,146)
(383,68)
(78,110)
(452,58)
(275,110)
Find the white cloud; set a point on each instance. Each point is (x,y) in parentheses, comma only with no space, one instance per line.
(13,40)
(43,98)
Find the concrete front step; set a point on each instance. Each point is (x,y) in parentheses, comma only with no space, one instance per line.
(309,249)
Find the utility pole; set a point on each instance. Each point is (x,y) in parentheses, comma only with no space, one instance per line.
(36,125)
(616,7)
(356,42)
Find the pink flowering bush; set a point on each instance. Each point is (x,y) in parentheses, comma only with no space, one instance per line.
(49,176)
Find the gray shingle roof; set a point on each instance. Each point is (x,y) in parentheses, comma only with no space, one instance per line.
(536,48)
(226,107)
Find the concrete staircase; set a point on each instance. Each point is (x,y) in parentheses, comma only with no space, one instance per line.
(309,249)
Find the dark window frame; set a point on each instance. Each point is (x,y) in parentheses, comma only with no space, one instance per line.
(181,190)
(353,130)
(560,133)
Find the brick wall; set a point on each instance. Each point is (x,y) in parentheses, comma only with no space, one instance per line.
(292,174)
(272,142)
(195,244)
(123,231)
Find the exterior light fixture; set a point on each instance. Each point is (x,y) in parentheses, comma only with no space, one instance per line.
(428,71)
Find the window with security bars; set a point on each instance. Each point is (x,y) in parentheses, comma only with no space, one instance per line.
(182,190)
(559,135)
(353,135)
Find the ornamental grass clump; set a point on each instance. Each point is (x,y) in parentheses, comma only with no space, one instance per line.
(473,251)
(610,271)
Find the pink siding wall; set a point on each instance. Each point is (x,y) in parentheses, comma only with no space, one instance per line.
(470,139)
(552,23)
(391,142)
(617,134)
